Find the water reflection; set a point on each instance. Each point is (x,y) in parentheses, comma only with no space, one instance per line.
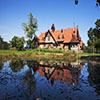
(94,76)
(60,71)
(17,64)
(1,64)
(29,79)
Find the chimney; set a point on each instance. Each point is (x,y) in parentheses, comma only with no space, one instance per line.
(74,29)
(61,30)
(53,27)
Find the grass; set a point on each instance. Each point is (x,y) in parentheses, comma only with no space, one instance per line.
(48,55)
(88,54)
(34,51)
(45,51)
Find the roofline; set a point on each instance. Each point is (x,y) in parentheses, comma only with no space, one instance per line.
(51,35)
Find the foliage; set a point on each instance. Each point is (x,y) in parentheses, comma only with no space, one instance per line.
(30,43)
(88,49)
(13,42)
(17,42)
(3,44)
(30,29)
(94,77)
(94,38)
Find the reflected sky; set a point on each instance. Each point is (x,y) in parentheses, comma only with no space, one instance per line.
(29,79)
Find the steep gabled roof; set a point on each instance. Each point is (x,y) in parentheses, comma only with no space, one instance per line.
(64,35)
(74,40)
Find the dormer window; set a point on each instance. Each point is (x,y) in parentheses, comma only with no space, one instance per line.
(58,37)
(62,36)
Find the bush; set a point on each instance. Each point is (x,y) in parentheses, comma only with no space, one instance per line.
(88,49)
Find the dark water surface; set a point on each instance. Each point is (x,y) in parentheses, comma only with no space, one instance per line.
(29,80)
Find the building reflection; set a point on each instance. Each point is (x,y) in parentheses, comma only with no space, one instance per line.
(63,72)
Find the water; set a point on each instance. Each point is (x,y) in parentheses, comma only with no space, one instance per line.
(33,80)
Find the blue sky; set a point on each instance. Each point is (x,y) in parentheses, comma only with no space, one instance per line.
(62,13)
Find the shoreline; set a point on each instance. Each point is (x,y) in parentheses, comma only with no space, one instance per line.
(54,57)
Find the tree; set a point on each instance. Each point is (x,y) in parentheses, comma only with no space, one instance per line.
(20,43)
(30,29)
(3,44)
(13,42)
(94,36)
(17,42)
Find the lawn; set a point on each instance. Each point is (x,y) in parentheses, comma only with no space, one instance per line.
(33,51)
(45,51)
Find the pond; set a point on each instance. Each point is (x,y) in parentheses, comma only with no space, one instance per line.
(42,80)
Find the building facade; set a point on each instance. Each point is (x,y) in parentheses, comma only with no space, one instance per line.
(67,39)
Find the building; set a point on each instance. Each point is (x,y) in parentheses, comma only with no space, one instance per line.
(68,39)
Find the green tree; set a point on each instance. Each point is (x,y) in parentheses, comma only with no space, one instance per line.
(94,37)
(3,44)
(30,29)
(13,42)
(20,43)
(17,42)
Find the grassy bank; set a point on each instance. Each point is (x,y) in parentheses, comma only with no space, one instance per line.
(40,54)
(34,51)
(44,52)
(48,54)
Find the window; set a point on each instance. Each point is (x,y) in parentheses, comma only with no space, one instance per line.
(62,36)
(58,37)
(48,38)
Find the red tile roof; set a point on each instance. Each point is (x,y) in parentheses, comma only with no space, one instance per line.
(74,39)
(66,33)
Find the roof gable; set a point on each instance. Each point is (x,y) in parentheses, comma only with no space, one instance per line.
(50,35)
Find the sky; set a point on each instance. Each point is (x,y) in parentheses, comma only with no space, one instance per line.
(62,13)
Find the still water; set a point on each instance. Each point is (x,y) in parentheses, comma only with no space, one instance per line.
(32,80)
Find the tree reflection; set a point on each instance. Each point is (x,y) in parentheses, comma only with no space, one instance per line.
(1,62)
(16,65)
(94,76)
(29,78)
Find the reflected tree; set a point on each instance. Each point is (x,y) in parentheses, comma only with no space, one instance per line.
(94,76)
(1,64)
(29,78)
(16,65)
